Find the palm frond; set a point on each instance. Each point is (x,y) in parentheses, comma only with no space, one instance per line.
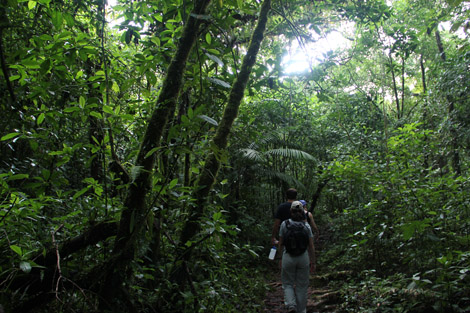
(252,154)
(291,153)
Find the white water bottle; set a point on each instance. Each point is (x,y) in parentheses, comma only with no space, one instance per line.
(272,253)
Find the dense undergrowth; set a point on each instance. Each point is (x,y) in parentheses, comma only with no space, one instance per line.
(405,241)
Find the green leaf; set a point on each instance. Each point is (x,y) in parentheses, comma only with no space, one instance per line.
(108,109)
(456,26)
(10,136)
(45,66)
(152,152)
(18,177)
(41,118)
(30,63)
(155,40)
(215,59)
(173,183)
(96,114)
(82,102)
(208,38)
(217,216)
(81,192)
(316,29)
(115,87)
(25,266)
(31,4)
(57,19)
(213,51)
(71,109)
(219,82)
(66,35)
(69,19)
(291,153)
(208,119)
(17,249)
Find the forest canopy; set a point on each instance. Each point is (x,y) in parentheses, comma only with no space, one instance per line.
(145,146)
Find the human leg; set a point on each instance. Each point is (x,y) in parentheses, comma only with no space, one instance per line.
(302,278)
(288,281)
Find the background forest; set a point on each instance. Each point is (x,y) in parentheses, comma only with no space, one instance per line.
(146,145)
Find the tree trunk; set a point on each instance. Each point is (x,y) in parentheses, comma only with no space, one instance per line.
(440,47)
(395,88)
(211,166)
(316,195)
(135,210)
(403,85)
(451,109)
(425,109)
(6,73)
(208,175)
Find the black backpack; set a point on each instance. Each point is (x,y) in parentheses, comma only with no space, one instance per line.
(296,238)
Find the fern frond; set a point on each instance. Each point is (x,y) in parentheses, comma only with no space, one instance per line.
(252,155)
(291,153)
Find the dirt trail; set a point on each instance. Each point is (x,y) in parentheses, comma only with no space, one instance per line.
(320,299)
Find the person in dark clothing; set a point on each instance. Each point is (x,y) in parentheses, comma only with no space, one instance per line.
(283,213)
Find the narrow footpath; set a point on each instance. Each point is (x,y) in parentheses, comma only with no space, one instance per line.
(320,297)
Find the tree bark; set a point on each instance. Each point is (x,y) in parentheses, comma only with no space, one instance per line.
(5,71)
(403,85)
(208,175)
(395,88)
(425,109)
(135,210)
(451,110)
(440,47)
(316,195)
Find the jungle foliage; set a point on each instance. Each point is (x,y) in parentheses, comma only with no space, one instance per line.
(144,147)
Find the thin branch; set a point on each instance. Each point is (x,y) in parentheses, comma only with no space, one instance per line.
(56,246)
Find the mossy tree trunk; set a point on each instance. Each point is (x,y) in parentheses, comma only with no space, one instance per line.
(135,209)
(208,175)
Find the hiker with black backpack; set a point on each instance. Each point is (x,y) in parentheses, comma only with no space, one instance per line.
(283,213)
(298,258)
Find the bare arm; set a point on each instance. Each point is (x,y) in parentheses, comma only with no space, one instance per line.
(311,253)
(277,223)
(314,227)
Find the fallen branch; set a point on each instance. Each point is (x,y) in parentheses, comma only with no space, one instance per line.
(36,285)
